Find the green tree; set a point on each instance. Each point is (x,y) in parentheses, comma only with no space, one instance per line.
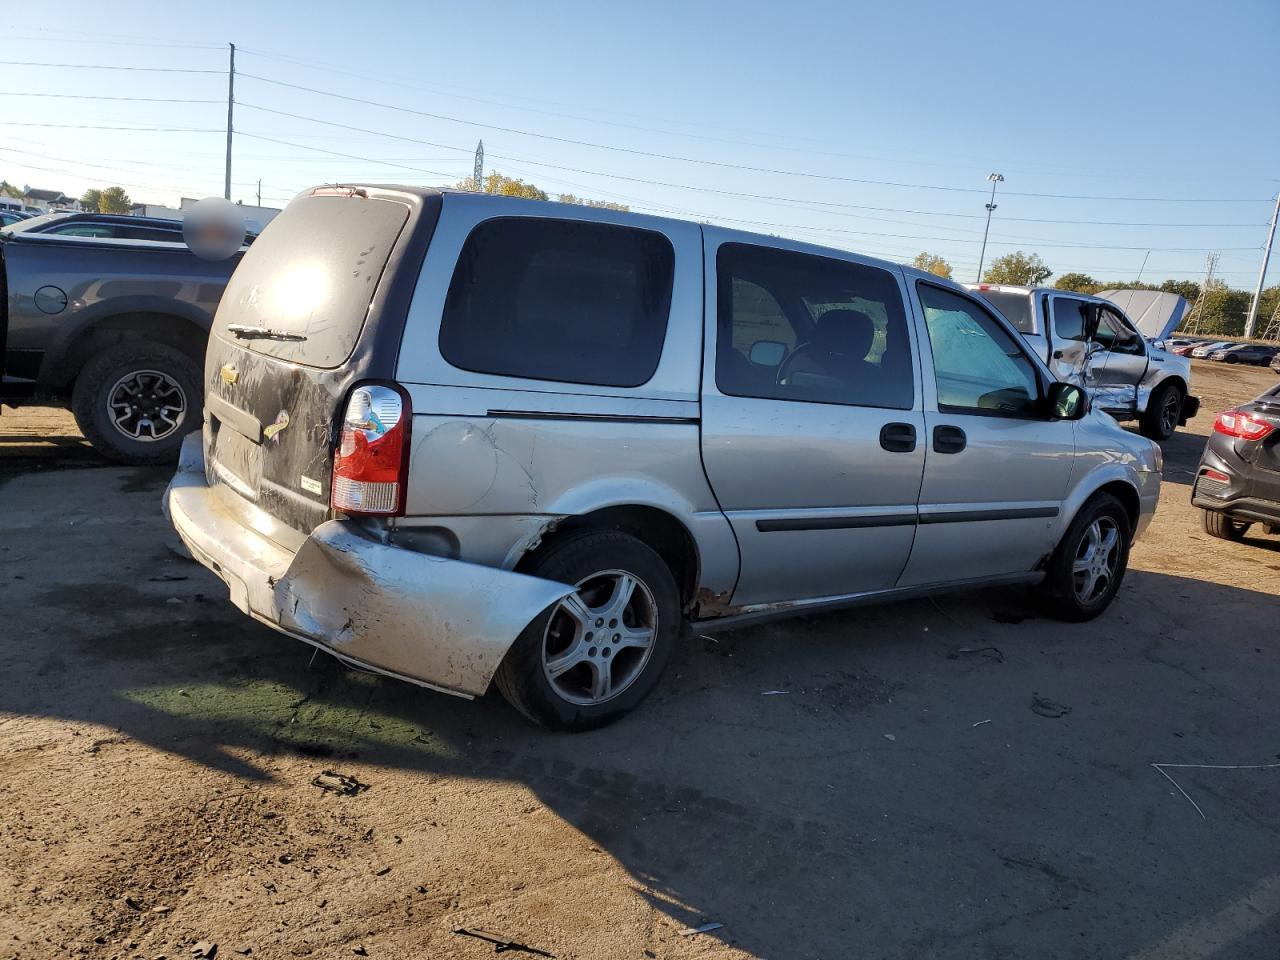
(504,187)
(1189,290)
(932,263)
(599,204)
(92,201)
(1077,283)
(1022,269)
(1223,310)
(7,189)
(114,200)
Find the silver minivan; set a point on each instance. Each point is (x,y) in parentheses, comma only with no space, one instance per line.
(458,439)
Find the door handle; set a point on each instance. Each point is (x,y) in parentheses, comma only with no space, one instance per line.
(898,437)
(948,439)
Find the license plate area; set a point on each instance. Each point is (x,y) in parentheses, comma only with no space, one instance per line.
(237,461)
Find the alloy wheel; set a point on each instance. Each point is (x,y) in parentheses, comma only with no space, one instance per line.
(1097,559)
(600,638)
(146,405)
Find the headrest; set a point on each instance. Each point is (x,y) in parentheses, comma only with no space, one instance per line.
(846,332)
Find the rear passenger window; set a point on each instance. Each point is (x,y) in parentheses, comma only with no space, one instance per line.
(1069,320)
(559,300)
(793,326)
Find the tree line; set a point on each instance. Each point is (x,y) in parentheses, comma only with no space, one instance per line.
(1222,312)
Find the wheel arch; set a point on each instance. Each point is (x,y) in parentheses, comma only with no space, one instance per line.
(657,528)
(1149,390)
(172,329)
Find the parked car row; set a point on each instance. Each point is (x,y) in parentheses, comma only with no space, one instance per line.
(1227,351)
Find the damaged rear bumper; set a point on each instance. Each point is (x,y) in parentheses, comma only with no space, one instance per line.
(440,623)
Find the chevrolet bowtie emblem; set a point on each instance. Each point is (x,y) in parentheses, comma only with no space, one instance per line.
(229,373)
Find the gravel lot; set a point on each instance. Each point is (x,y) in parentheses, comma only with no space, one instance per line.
(937,779)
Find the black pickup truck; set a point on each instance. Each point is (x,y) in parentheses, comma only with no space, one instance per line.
(116,330)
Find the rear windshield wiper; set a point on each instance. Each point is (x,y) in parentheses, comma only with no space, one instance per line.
(243,332)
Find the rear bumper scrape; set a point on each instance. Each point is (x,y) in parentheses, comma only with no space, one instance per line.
(440,623)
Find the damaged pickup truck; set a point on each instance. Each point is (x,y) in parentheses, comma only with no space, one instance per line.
(462,439)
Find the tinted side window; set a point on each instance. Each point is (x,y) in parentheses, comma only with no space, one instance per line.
(979,366)
(83,230)
(793,326)
(1069,320)
(559,300)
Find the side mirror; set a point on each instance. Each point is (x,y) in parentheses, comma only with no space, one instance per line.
(768,353)
(1066,401)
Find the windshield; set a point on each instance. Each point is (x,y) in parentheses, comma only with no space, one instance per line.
(311,275)
(1015,306)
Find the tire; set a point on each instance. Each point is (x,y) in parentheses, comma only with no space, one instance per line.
(1164,411)
(165,381)
(571,700)
(1220,525)
(1063,594)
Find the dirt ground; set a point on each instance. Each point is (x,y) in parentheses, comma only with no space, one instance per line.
(949,778)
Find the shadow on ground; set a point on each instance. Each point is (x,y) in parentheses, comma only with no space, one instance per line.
(942,778)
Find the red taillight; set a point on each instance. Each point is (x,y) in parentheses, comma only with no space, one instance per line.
(1216,475)
(1246,426)
(370,466)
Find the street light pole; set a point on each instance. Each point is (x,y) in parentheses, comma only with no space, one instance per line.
(991,206)
(231,102)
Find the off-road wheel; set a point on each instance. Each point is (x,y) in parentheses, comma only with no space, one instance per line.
(135,402)
(1164,411)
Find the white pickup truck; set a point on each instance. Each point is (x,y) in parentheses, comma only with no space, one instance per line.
(1089,341)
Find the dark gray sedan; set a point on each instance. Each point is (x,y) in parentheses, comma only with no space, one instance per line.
(1238,482)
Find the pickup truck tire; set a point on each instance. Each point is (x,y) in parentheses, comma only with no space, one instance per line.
(627,596)
(1164,410)
(1087,567)
(136,401)
(1220,525)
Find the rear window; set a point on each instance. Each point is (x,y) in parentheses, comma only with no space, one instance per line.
(559,300)
(1016,307)
(313,275)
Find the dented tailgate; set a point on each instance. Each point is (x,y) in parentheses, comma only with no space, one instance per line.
(317,305)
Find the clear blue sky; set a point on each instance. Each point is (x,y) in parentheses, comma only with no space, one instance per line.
(1116,100)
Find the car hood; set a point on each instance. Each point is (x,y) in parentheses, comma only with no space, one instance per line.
(1156,314)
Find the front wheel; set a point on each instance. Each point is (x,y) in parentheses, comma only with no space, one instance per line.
(136,401)
(1086,569)
(593,656)
(1164,410)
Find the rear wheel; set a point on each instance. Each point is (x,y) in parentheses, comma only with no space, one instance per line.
(596,654)
(1164,410)
(136,401)
(1220,525)
(1088,566)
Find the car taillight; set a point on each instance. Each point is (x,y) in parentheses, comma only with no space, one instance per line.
(370,466)
(1246,426)
(1217,476)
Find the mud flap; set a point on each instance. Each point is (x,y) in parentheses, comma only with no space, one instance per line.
(439,622)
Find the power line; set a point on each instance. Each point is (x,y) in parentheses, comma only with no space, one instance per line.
(88,96)
(105,66)
(776,171)
(94,126)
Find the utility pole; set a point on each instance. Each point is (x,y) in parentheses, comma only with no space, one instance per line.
(991,206)
(259,191)
(1262,272)
(477,175)
(231,102)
